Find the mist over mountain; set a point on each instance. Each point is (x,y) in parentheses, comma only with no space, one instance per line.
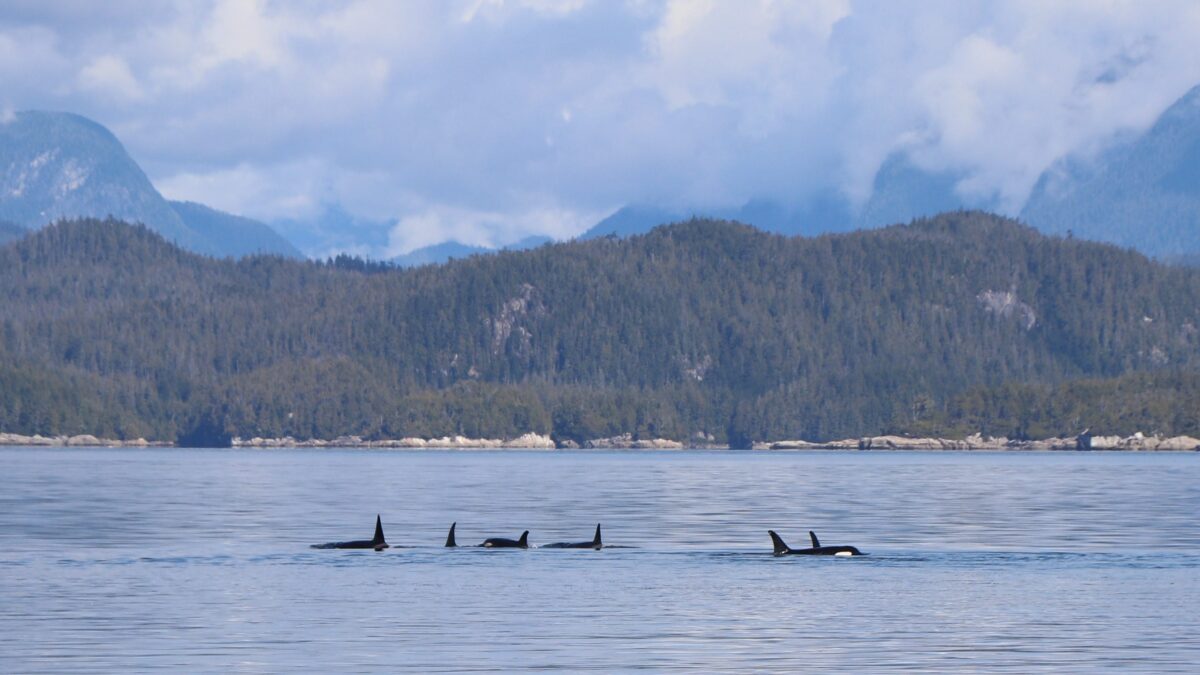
(57,165)
(333,230)
(1143,192)
(903,191)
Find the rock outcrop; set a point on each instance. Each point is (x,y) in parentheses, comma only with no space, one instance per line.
(79,441)
(525,441)
(626,441)
(1085,441)
(1138,441)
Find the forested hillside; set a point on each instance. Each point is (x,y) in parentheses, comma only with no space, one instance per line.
(700,327)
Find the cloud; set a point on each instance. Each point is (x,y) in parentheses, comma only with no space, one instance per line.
(438,223)
(485,120)
(110,76)
(276,191)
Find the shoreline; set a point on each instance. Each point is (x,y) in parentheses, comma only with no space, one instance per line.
(1082,443)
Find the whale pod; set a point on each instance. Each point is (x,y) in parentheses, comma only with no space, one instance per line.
(782,548)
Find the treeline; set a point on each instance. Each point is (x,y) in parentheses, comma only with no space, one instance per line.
(1161,402)
(702,328)
(10,232)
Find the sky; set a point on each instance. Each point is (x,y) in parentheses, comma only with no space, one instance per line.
(488,120)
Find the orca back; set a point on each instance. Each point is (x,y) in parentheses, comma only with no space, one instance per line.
(523,542)
(450,543)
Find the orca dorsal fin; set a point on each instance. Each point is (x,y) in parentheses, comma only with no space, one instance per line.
(596,539)
(524,540)
(816,542)
(450,543)
(777,542)
(378,531)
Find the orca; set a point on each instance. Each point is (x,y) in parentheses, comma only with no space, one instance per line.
(377,542)
(593,544)
(817,549)
(501,542)
(450,543)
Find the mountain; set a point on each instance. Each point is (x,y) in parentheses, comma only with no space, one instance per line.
(820,213)
(439,253)
(10,232)
(903,191)
(703,327)
(453,250)
(1143,192)
(630,220)
(334,230)
(57,165)
(239,236)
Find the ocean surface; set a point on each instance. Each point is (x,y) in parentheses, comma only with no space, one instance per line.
(199,560)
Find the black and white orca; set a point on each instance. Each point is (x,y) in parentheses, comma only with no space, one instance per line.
(817,549)
(595,543)
(501,542)
(377,542)
(450,543)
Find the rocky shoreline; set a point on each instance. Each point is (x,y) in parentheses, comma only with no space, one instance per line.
(79,441)
(523,442)
(1085,441)
(532,441)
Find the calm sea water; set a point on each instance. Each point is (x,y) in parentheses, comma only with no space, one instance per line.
(186,560)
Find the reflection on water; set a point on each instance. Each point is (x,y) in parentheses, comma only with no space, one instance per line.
(198,560)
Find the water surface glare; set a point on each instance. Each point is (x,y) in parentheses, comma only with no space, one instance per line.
(198,560)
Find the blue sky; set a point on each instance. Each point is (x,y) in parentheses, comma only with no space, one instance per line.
(487,120)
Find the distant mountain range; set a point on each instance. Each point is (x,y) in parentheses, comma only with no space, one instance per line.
(333,230)
(1143,192)
(58,165)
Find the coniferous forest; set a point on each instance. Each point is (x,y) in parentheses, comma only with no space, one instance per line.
(961,323)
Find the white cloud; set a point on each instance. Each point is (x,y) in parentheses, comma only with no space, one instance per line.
(438,223)
(110,75)
(278,191)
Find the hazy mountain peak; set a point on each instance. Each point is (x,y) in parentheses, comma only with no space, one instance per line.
(1143,192)
(238,236)
(57,165)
